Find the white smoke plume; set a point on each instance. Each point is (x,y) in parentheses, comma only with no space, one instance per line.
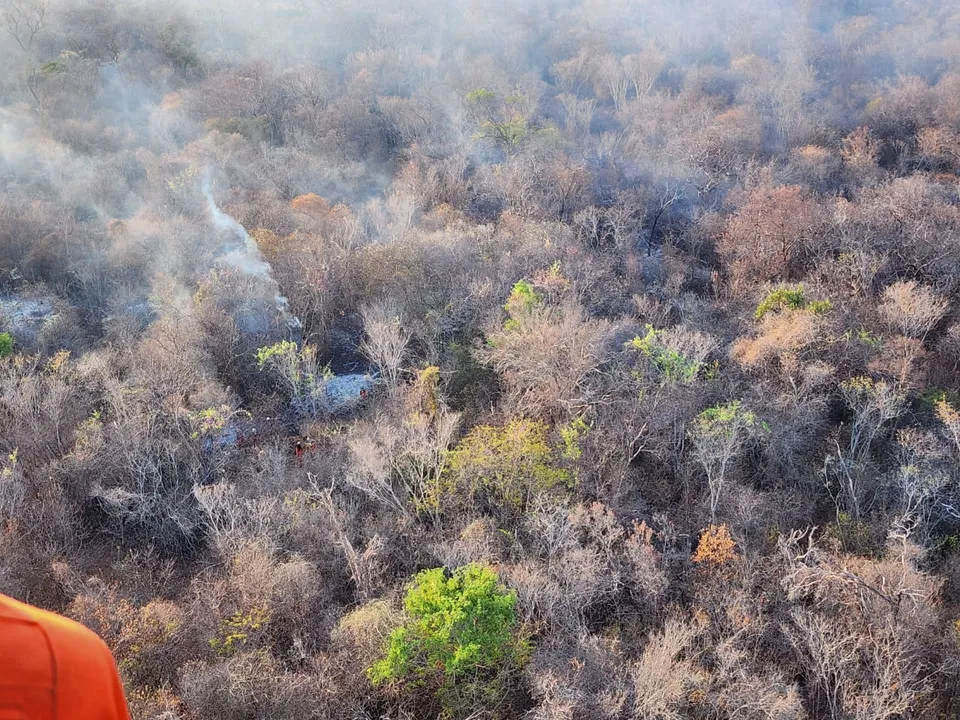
(242,253)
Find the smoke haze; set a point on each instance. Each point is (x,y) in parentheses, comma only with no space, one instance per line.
(111,111)
(650,307)
(241,252)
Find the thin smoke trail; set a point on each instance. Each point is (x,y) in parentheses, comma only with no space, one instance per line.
(244,255)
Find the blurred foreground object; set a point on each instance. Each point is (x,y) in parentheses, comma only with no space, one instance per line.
(52,667)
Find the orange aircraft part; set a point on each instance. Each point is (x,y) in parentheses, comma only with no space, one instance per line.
(52,668)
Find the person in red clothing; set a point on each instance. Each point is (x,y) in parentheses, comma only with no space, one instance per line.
(52,668)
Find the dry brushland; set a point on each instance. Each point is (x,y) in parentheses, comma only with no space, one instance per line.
(476,360)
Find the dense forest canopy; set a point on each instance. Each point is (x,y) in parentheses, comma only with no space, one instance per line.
(554,359)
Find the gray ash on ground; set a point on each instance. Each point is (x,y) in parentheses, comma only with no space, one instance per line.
(24,318)
(344,392)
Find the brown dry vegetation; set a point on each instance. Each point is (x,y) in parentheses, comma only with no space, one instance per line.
(661,299)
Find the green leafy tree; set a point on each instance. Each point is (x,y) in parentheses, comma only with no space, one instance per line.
(460,639)
(523,303)
(791,298)
(571,434)
(499,120)
(664,350)
(508,465)
(6,345)
(300,372)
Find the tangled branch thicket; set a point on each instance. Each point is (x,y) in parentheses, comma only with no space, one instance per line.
(636,317)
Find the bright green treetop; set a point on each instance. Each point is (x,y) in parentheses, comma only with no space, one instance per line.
(672,365)
(460,626)
(508,464)
(524,301)
(790,298)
